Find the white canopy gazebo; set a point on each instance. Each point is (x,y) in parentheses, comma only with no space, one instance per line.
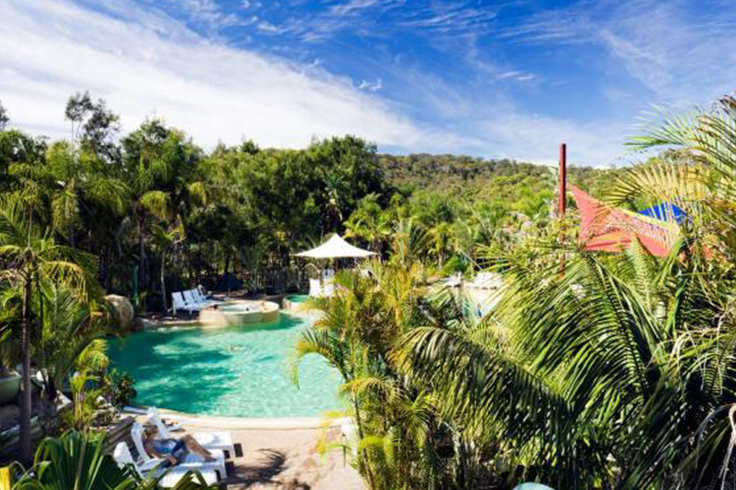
(336,248)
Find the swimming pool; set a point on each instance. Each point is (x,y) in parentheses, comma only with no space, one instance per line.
(241,371)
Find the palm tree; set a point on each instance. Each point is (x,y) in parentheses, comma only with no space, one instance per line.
(608,373)
(370,223)
(396,419)
(32,259)
(165,241)
(621,372)
(440,237)
(159,162)
(81,182)
(337,335)
(409,243)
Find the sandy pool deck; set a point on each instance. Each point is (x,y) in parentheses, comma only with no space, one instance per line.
(276,453)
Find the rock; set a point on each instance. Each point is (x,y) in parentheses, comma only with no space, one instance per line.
(122,311)
(143,324)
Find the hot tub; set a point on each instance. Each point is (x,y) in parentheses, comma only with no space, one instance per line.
(295,302)
(239,312)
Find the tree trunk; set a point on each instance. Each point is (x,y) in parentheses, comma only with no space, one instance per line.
(361,435)
(199,263)
(108,268)
(26,396)
(163,283)
(71,233)
(141,254)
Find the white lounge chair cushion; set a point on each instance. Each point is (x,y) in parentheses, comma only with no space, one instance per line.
(123,458)
(195,462)
(215,440)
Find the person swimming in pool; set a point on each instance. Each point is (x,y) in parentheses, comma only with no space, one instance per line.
(172,450)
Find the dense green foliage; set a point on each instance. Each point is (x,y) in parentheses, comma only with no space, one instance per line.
(154,205)
(592,370)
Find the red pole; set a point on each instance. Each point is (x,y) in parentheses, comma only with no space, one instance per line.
(563,180)
(562,200)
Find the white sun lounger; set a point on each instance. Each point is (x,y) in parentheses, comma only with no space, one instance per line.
(314,288)
(454,281)
(154,416)
(321,289)
(179,304)
(486,280)
(190,301)
(328,289)
(191,461)
(172,476)
(208,440)
(200,299)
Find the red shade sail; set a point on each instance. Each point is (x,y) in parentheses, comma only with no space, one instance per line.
(612,229)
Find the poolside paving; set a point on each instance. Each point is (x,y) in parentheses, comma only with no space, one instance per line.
(283,459)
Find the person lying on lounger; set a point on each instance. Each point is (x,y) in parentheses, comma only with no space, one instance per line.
(172,450)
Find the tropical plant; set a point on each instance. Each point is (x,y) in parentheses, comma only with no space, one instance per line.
(401,434)
(608,371)
(33,260)
(121,388)
(164,242)
(78,461)
(369,223)
(70,337)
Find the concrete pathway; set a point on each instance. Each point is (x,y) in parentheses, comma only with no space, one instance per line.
(283,458)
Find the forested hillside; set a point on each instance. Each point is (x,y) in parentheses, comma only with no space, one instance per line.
(504,178)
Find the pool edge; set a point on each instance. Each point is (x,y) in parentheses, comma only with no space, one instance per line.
(276,423)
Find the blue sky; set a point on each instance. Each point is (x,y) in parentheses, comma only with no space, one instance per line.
(493,79)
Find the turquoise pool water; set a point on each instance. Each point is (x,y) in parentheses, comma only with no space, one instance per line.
(298,298)
(235,371)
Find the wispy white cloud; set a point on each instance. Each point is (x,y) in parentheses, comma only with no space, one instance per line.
(54,48)
(351,6)
(144,62)
(681,55)
(267,27)
(516,75)
(207,13)
(372,87)
(378,18)
(535,138)
(455,17)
